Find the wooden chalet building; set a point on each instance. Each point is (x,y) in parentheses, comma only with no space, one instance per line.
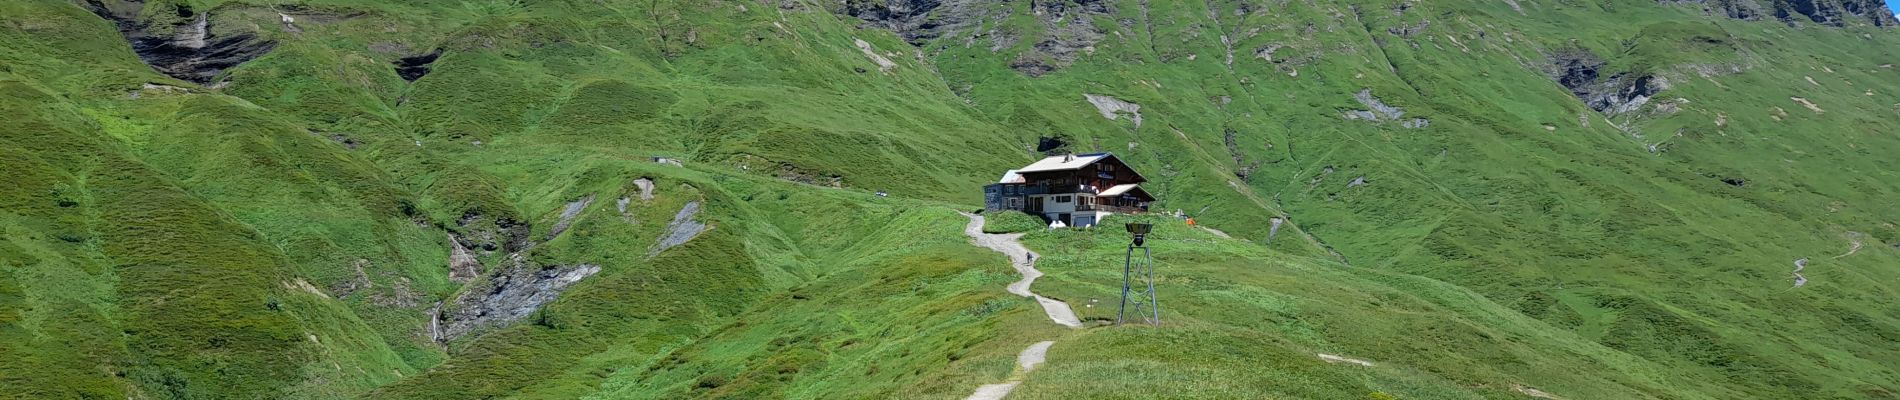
(1077,189)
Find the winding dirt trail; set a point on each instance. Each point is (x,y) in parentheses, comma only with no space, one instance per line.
(1853,245)
(1024,261)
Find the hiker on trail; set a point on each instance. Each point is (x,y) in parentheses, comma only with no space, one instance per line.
(1190,221)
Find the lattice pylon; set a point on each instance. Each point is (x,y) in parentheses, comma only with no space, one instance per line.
(1138,288)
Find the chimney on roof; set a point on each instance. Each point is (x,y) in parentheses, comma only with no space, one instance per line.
(1067,157)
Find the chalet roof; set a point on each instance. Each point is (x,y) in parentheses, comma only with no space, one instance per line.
(1117,190)
(1127,190)
(1063,163)
(1011,176)
(1072,162)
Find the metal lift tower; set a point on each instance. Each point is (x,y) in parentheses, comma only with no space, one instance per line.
(1139,273)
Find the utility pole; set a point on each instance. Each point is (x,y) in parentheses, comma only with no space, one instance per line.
(1137,274)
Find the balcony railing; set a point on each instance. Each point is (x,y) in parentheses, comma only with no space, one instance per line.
(1019,189)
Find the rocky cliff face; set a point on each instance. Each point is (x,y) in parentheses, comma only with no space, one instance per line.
(185,47)
(1834,13)
(1067,28)
(1825,12)
(1606,92)
(909,18)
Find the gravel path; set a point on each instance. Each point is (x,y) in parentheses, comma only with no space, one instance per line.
(1033,355)
(993,391)
(1024,261)
(1020,257)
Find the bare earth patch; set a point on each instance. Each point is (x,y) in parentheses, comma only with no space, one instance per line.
(1810,105)
(1341,359)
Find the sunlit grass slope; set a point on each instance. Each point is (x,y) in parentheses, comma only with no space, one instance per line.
(286,232)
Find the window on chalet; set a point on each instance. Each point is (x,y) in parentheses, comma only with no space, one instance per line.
(1064,199)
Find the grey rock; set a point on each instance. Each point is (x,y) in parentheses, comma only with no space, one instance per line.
(192,51)
(1384,111)
(646,190)
(1378,111)
(1274,229)
(1113,108)
(462,263)
(1068,31)
(683,229)
(1582,73)
(1836,13)
(573,209)
(508,296)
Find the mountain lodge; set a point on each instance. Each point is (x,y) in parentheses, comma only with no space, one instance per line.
(1077,189)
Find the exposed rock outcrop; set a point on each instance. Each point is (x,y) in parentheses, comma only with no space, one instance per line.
(188,49)
(1243,169)
(1833,13)
(1582,73)
(1825,12)
(883,64)
(646,190)
(684,228)
(501,234)
(508,296)
(1068,32)
(1113,108)
(1378,111)
(462,263)
(573,209)
(917,21)
(1068,27)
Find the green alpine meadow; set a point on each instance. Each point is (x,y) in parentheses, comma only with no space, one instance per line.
(934,199)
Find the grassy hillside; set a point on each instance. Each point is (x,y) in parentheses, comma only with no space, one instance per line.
(497,198)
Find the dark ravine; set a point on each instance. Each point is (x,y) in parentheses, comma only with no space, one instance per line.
(414,67)
(194,52)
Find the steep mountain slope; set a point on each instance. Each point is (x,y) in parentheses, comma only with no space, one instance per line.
(666,199)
